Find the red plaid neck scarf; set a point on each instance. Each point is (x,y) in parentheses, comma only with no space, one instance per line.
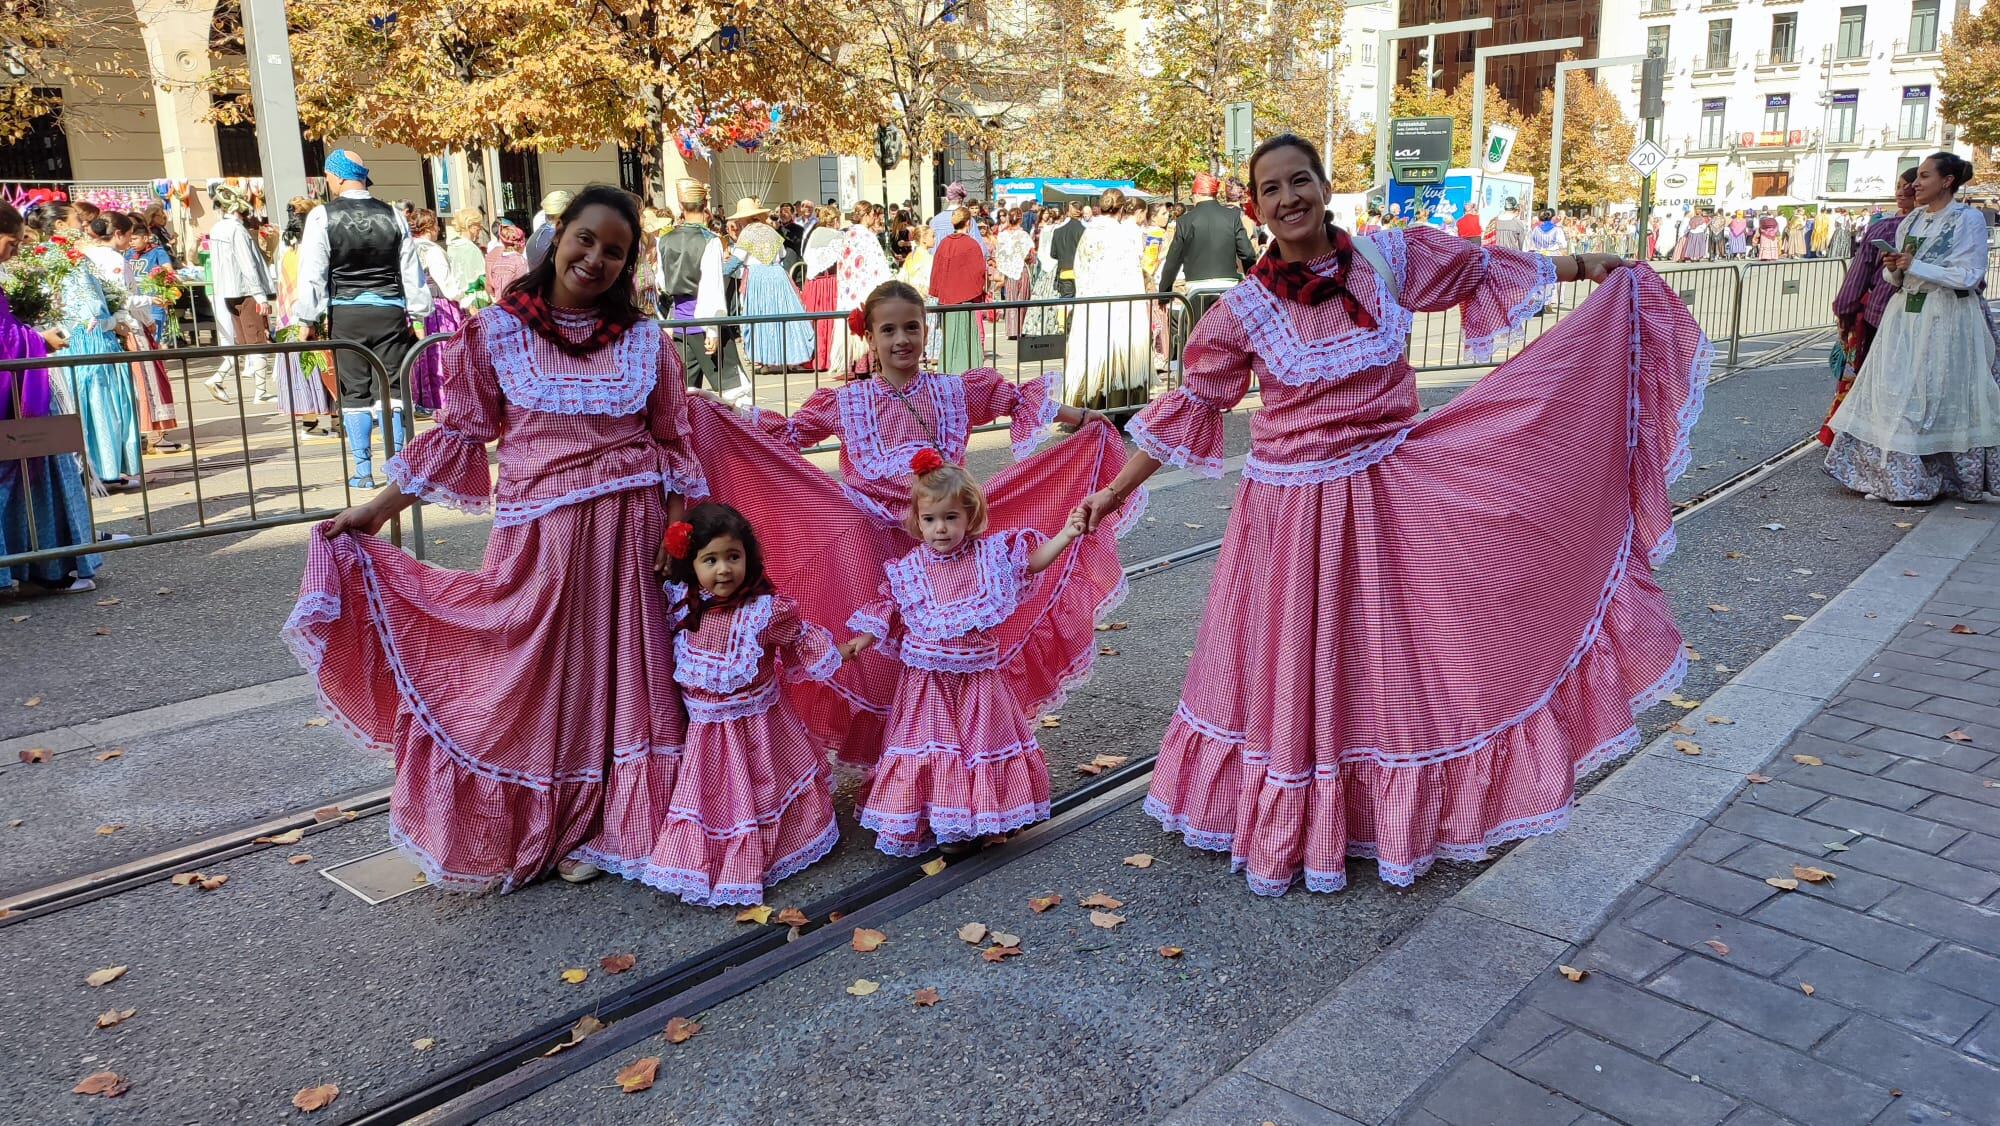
(1296,281)
(534,312)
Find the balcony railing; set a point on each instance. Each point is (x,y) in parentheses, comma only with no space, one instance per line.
(1775,58)
(1867,51)
(1713,63)
(1657,8)
(1905,50)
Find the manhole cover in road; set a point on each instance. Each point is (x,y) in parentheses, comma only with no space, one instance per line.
(377,877)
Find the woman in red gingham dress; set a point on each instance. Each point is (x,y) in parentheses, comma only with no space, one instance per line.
(805,519)
(750,804)
(515,697)
(1421,632)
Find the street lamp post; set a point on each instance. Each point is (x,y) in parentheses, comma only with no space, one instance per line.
(274,97)
(1556,122)
(1385,79)
(1479,57)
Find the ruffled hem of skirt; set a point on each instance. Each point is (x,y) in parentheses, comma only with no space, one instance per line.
(723,880)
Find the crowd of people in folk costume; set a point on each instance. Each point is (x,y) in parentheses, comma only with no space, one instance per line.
(681,625)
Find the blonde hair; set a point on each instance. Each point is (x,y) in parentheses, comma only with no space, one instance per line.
(947,482)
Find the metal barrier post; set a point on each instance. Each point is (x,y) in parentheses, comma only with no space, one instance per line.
(1736,317)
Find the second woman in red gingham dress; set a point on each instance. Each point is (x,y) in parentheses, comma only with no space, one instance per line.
(960,761)
(749,804)
(1422,631)
(516,697)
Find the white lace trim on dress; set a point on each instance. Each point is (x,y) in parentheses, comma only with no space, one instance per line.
(1292,474)
(1167,453)
(896,833)
(697,888)
(1514,331)
(861,405)
(736,666)
(1290,360)
(430,490)
(1002,572)
(1034,415)
(634,369)
(512,513)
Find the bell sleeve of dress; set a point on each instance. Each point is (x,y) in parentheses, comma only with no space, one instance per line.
(1964,268)
(881,620)
(1495,290)
(447,464)
(806,650)
(1029,406)
(1185,428)
(817,419)
(667,418)
(1021,543)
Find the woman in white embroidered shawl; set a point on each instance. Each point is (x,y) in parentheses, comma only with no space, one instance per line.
(1923,419)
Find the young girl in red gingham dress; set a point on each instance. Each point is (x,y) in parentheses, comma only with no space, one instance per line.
(750,804)
(960,760)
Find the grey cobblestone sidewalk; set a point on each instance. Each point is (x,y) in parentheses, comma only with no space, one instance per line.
(1872,997)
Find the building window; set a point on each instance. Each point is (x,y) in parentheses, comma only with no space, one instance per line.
(1712,136)
(631,171)
(1367,54)
(1785,37)
(1656,41)
(42,154)
(236,149)
(314,150)
(829,177)
(1853,25)
(1923,26)
(1836,175)
(1777,112)
(1845,104)
(1718,44)
(1915,124)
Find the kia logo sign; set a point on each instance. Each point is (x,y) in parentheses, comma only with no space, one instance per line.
(1677,181)
(1406,154)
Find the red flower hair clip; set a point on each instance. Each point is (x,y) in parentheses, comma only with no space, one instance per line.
(680,535)
(857,322)
(925,461)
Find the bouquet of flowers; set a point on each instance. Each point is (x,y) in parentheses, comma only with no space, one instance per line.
(164,286)
(311,364)
(33,281)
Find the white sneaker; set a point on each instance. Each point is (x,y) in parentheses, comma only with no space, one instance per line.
(80,586)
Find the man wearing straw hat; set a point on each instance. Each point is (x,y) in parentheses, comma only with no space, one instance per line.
(691,288)
(358,267)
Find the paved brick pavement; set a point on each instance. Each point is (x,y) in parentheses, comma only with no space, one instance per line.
(1873,997)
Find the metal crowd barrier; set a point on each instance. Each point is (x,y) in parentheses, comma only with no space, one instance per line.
(262,500)
(1733,301)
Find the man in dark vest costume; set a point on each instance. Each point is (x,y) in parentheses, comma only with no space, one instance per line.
(691,288)
(1062,247)
(1210,249)
(358,267)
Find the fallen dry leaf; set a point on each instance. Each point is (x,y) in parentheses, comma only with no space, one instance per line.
(1758,779)
(1687,748)
(1720,947)
(1099,899)
(1139,860)
(575,975)
(301,858)
(1106,650)
(17,619)
(1000,953)
(1782,883)
(316,1098)
(1679,728)
(585,1027)
(290,836)
(317,721)
(1962,628)
(833,917)
(327,813)
(107,830)
(107,756)
(1794,617)
(793,917)
(868,941)
(1811,875)
(1572,973)
(111,1017)
(638,1075)
(164,591)
(32,702)
(1904,524)
(1683,702)
(1720,721)
(1116,626)
(924,998)
(616,963)
(1958,736)
(928,868)
(424,1044)
(34,755)
(1732,555)
(759,914)
(1807,760)
(1111,762)
(1043,903)
(16,823)
(1718,608)
(680,1030)
(1806,988)
(1185,524)
(104,976)
(1835,846)
(183,879)
(1051,722)
(105,1083)
(862,987)
(100,631)
(1171,951)
(210,883)
(1106,920)
(1986,782)
(1089,769)
(113,601)
(975,933)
